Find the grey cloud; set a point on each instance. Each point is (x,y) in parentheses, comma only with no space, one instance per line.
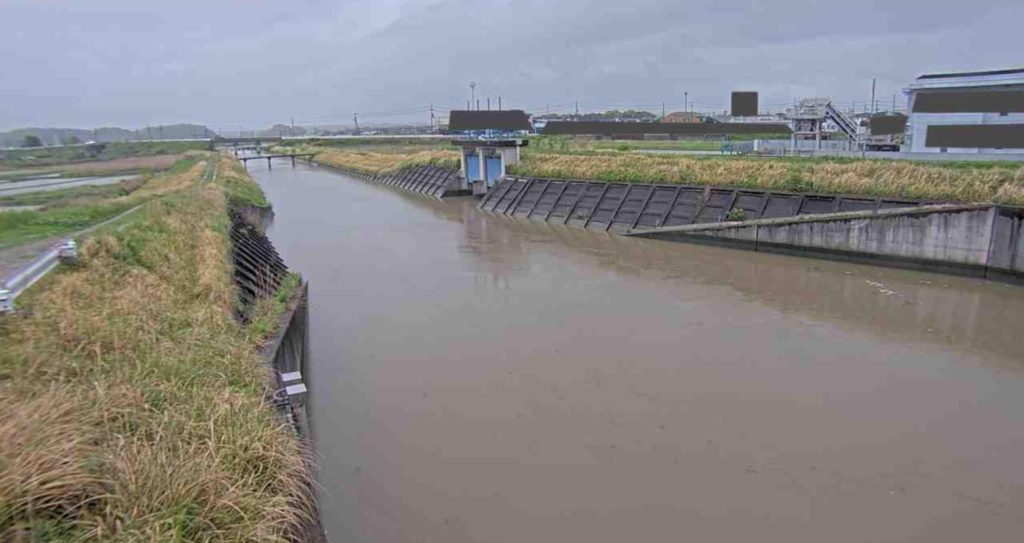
(231,63)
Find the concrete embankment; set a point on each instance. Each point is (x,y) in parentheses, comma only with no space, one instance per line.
(981,240)
(429,180)
(259,273)
(623,207)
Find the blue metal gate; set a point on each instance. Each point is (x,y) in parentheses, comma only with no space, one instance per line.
(493,169)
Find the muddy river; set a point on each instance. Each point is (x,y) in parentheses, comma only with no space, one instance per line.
(487,379)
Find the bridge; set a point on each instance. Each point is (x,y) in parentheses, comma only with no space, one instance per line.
(268,158)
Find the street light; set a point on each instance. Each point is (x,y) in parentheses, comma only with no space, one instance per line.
(472,92)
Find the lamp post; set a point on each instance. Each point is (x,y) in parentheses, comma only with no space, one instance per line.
(472,92)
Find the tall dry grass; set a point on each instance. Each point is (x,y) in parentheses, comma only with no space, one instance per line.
(1002,183)
(134,404)
(384,163)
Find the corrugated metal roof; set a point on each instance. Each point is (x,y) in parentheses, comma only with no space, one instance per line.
(513,119)
(969,74)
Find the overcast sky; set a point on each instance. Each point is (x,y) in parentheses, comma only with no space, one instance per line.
(250,63)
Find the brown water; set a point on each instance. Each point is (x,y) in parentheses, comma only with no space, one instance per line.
(479,378)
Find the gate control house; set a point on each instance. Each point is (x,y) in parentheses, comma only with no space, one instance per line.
(490,142)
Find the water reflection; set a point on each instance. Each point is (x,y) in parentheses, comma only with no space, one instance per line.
(961,313)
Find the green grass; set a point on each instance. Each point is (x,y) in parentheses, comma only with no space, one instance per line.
(134,403)
(17,227)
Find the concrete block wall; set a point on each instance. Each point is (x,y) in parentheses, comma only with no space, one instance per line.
(429,180)
(978,240)
(625,207)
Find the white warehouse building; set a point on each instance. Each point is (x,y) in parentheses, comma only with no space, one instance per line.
(970,112)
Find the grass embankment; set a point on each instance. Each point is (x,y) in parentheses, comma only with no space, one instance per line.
(49,156)
(69,215)
(960,182)
(372,162)
(133,401)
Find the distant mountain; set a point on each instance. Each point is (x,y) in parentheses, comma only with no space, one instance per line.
(70,136)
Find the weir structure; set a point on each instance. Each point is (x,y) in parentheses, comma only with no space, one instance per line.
(981,240)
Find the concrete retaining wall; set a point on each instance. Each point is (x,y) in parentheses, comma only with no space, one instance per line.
(978,240)
(429,180)
(624,207)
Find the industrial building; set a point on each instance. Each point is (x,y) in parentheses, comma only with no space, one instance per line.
(968,112)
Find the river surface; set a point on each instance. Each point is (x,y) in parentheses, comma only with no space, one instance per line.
(477,378)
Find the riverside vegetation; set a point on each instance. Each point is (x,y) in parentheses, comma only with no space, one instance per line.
(133,400)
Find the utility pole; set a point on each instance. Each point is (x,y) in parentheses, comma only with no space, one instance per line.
(355,120)
(873,105)
(663,109)
(472,93)
(577,108)
(488,103)
(293,127)
(686,96)
(894,102)
(499,103)
(431,118)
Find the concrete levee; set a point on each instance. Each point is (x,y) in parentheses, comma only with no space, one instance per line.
(428,180)
(625,207)
(979,240)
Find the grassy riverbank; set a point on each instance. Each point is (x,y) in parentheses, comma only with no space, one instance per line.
(962,182)
(384,163)
(134,403)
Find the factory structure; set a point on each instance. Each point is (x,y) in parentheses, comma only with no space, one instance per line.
(969,112)
(965,113)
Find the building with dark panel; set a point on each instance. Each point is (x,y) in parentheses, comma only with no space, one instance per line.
(967,112)
(490,142)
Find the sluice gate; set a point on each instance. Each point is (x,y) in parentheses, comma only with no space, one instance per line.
(625,207)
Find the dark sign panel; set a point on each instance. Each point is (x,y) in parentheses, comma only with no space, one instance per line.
(513,119)
(590,128)
(989,136)
(884,125)
(970,102)
(744,104)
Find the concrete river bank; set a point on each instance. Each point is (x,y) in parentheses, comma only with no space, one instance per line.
(476,377)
